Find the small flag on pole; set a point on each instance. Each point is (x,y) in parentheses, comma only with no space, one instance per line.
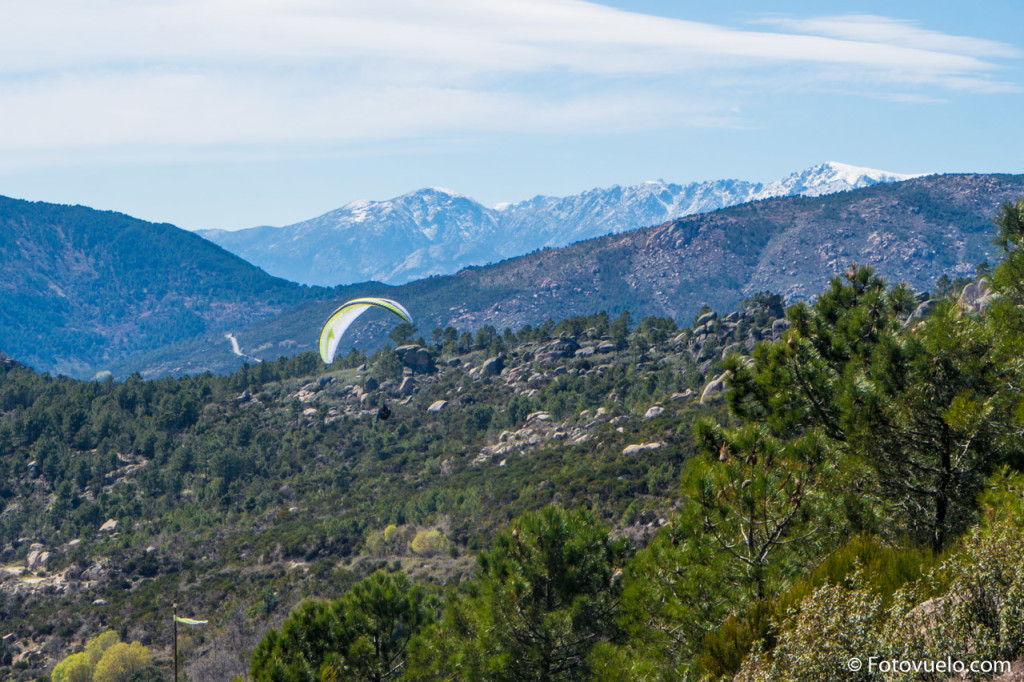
(190,621)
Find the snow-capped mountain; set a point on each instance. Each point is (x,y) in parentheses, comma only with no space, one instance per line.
(438,231)
(828,178)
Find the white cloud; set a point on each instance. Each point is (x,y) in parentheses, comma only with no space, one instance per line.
(232,73)
(884,30)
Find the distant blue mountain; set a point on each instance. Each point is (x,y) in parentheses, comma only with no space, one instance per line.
(437,231)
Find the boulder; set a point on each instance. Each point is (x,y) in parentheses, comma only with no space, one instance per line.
(714,390)
(654,411)
(37,558)
(95,572)
(437,406)
(492,366)
(417,358)
(976,296)
(731,348)
(709,316)
(637,448)
(563,347)
(109,526)
(408,387)
(371,384)
(922,310)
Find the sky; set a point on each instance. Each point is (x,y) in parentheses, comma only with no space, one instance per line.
(237,113)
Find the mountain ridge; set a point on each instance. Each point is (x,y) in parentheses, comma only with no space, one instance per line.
(435,231)
(912,231)
(81,288)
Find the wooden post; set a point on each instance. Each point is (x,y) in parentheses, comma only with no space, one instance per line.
(175,641)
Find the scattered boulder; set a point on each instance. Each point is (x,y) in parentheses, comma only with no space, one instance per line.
(95,572)
(654,411)
(109,526)
(493,366)
(408,387)
(371,384)
(417,358)
(37,558)
(731,348)
(563,347)
(605,347)
(709,316)
(437,406)
(976,296)
(922,310)
(637,448)
(714,390)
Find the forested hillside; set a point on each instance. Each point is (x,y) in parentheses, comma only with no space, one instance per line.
(913,231)
(754,497)
(81,289)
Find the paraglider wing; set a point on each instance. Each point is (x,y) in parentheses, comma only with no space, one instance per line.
(341,318)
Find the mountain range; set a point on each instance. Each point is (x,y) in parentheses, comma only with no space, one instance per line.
(913,231)
(85,292)
(437,231)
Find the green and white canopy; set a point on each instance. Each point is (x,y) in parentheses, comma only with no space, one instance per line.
(341,318)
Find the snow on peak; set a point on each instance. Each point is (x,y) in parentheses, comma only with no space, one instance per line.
(851,174)
(826,178)
(435,229)
(445,191)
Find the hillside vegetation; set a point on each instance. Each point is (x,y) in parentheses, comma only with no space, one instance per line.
(753,497)
(912,231)
(85,291)
(81,289)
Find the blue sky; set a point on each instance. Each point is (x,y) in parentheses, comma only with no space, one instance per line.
(236,113)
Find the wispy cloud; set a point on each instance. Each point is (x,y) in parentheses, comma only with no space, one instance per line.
(868,28)
(237,73)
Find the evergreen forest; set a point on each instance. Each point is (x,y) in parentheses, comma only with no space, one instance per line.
(768,494)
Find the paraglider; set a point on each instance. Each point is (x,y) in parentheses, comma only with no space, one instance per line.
(341,318)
